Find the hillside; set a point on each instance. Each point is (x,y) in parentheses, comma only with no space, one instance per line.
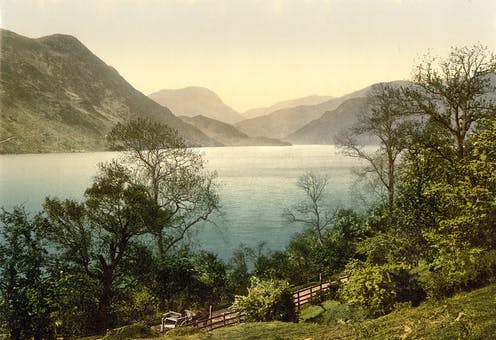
(227,134)
(323,130)
(194,101)
(57,96)
(464,316)
(308,100)
(284,122)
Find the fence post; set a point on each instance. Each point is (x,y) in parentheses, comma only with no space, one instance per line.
(210,315)
(298,300)
(320,280)
(224,318)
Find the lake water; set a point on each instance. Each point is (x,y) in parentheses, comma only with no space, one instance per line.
(255,185)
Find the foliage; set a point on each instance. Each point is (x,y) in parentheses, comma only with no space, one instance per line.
(187,280)
(464,316)
(452,92)
(173,175)
(75,302)
(387,123)
(93,237)
(378,287)
(138,304)
(134,331)
(267,300)
(25,292)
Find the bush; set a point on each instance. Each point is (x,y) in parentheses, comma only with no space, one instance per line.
(267,300)
(377,288)
(134,331)
(462,270)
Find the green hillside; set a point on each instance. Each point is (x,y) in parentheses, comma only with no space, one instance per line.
(464,316)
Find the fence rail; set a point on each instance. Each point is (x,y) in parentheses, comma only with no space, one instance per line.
(301,297)
(217,321)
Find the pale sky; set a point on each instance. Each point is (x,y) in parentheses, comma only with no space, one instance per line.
(255,53)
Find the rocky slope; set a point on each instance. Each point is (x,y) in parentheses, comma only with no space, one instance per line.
(56,96)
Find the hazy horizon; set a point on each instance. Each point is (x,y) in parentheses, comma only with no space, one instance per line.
(257,53)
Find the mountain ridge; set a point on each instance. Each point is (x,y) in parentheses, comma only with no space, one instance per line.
(192,101)
(57,96)
(307,100)
(227,134)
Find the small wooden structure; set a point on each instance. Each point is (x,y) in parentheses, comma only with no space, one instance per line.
(173,319)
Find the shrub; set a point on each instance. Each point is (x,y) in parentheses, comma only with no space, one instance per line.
(377,288)
(460,270)
(134,331)
(267,300)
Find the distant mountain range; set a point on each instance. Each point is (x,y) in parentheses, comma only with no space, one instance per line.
(283,122)
(262,111)
(227,134)
(194,101)
(323,130)
(56,95)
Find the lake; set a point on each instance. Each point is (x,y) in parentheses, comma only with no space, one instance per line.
(255,185)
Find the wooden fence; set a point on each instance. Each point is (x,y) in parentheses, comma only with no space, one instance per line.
(217,321)
(305,295)
(301,297)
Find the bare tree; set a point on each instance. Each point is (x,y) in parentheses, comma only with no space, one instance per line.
(386,123)
(310,212)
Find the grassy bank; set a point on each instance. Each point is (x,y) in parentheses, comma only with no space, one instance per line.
(468,316)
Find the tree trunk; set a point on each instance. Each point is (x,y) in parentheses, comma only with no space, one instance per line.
(105,301)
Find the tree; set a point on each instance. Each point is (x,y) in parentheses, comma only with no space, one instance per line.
(454,92)
(310,212)
(386,122)
(25,293)
(93,237)
(174,175)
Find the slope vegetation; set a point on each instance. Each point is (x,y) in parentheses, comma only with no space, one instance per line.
(464,316)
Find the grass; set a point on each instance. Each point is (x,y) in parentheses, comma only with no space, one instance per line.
(465,316)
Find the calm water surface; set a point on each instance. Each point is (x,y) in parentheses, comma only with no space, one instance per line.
(255,185)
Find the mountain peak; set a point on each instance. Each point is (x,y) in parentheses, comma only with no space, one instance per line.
(195,100)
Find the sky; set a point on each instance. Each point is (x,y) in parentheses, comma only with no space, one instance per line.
(254,53)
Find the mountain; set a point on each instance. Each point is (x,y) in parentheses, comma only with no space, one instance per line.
(324,129)
(227,134)
(194,101)
(56,95)
(282,123)
(309,100)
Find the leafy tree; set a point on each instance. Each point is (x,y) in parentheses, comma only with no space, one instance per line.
(310,211)
(237,270)
(94,237)
(25,292)
(454,92)
(386,122)
(174,175)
